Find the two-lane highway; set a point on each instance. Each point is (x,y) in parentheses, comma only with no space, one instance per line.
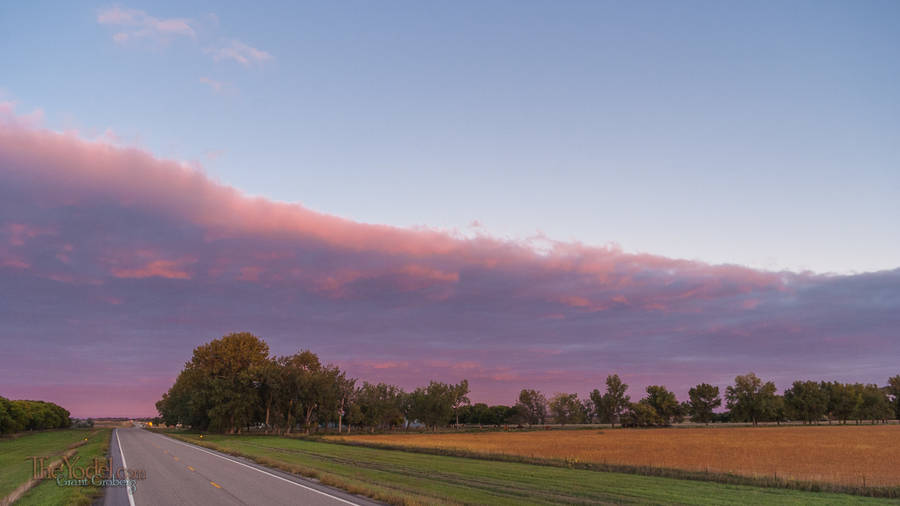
(179,473)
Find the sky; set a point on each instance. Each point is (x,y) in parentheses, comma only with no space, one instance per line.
(523,194)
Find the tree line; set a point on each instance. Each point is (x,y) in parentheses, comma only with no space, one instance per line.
(749,399)
(233,384)
(18,416)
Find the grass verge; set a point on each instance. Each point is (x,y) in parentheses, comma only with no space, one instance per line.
(48,492)
(16,452)
(407,478)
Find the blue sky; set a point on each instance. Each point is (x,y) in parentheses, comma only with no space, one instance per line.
(763,134)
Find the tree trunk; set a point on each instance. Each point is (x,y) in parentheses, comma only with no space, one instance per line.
(290,412)
(309,412)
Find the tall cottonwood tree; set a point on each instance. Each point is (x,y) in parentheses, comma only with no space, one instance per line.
(535,405)
(567,409)
(615,400)
(749,399)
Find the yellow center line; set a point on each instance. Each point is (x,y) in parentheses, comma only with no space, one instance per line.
(214,484)
(191,468)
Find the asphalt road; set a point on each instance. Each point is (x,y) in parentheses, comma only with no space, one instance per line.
(179,473)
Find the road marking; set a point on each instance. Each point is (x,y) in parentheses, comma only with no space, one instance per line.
(260,471)
(125,467)
(214,484)
(191,468)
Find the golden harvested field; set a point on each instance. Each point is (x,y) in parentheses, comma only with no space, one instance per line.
(846,455)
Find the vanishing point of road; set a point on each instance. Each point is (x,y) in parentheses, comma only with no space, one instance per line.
(178,473)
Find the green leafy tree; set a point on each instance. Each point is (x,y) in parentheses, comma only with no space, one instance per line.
(641,414)
(779,412)
(664,403)
(615,400)
(894,393)
(535,404)
(499,414)
(218,388)
(22,415)
(460,397)
(873,404)
(842,400)
(806,400)
(379,406)
(567,409)
(749,399)
(704,399)
(433,405)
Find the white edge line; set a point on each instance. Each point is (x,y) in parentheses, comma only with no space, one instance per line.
(125,467)
(255,469)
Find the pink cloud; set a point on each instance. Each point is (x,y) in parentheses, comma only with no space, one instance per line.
(113,243)
(169,269)
(138,24)
(240,52)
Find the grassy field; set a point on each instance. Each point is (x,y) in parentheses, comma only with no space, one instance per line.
(864,455)
(15,464)
(48,492)
(402,477)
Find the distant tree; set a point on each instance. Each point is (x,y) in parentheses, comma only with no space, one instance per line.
(664,403)
(566,409)
(516,415)
(874,404)
(535,404)
(807,401)
(22,415)
(378,406)
(460,395)
(641,414)
(894,393)
(335,391)
(6,419)
(704,399)
(749,399)
(779,411)
(587,410)
(499,414)
(433,405)
(599,410)
(615,400)
(842,400)
(476,414)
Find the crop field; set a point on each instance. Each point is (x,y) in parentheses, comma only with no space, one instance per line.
(409,478)
(864,455)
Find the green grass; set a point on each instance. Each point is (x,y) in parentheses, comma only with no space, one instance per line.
(48,492)
(400,477)
(15,453)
